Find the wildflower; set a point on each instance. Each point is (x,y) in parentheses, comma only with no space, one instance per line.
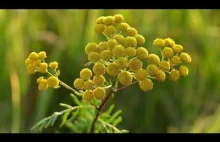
(94,57)
(168,52)
(85,73)
(31,69)
(132,31)
(174,75)
(99,28)
(33,56)
(109,20)
(90,47)
(159,42)
(160,76)
(53,65)
(99,69)
(42,55)
(42,83)
(119,38)
(118,51)
(112,69)
(88,95)
(78,83)
(130,51)
(125,78)
(109,30)
(140,74)
(98,80)
(42,67)
(185,57)
(100,20)
(135,64)
(106,55)
(123,26)
(88,85)
(99,93)
(131,41)
(152,69)
(183,70)
(111,44)
(118,18)
(53,82)
(153,59)
(175,60)
(140,39)
(177,48)
(146,84)
(142,53)
(169,42)
(121,63)
(165,65)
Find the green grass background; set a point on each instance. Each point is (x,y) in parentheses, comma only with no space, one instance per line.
(189,105)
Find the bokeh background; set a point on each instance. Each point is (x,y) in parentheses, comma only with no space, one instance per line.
(189,105)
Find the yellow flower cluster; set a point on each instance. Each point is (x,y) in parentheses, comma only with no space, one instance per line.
(36,63)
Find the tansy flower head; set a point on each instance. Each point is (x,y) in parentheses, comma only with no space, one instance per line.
(39,79)
(53,82)
(109,30)
(132,31)
(99,93)
(177,48)
(121,63)
(42,67)
(140,74)
(152,69)
(98,80)
(42,84)
(99,69)
(88,96)
(109,20)
(118,51)
(42,55)
(106,55)
(159,42)
(90,47)
(102,46)
(78,83)
(53,65)
(111,44)
(94,57)
(88,85)
(140,39)
(183,70)
(112,69)
(153,59)
(131,41)
(185,57)
(31,69)
(142,53)
(135,64)
(33,56)
(168,52)
(119,38)
(165,65)
(169,42)
(130,51)
(118,18)
(146,84)
(100,20)
(160,76)
(99,28)
(175,60)
(123,26)
(174,75)
(125,78)
(85,73)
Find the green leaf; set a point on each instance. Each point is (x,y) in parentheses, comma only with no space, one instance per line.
(66,106)
(117,121)
(88,64)
(75,99)
(109,111)
(65,116)
(112,118)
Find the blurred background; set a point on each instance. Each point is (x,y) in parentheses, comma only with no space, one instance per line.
(189,105)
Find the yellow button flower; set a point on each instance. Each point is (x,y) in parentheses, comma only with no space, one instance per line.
(85,73)
(125,78)
(99,93)
(146,85)
(78,83)
(53,82)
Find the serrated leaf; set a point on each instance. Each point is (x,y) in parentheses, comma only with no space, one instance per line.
(116,114)
(65,116)
(53,120)
(66,106)
(109,111)
(117,121)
